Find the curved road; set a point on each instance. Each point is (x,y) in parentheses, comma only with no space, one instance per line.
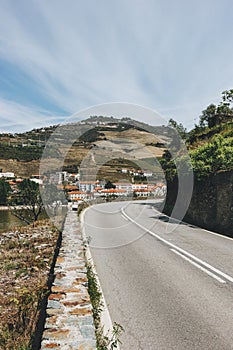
(170,286)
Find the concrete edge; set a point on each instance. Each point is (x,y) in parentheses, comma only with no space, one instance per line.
(69,320)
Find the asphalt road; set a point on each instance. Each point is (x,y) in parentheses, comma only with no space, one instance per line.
(170,286)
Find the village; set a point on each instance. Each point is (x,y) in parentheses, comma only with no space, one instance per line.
(78,190)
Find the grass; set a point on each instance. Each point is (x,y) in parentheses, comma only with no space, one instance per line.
(104,342)
(25,259)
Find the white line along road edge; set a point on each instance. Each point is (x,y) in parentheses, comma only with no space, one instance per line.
(203,229)
(208,266)
(105,315)
(199,266)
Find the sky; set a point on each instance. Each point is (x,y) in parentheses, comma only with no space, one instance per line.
(58,57)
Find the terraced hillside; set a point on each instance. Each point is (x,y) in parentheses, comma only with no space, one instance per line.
(105,145)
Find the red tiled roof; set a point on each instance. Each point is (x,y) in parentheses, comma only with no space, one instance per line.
(71,187)
(113,190)
(76,192)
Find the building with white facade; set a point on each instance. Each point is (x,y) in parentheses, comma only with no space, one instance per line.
(147,173)
(139,186)
(127,186)
(75,195)
(7,175)
(59,177)
(113,192)
(37,179)
(87,186)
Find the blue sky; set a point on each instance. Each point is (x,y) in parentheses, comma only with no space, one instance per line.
(58,57)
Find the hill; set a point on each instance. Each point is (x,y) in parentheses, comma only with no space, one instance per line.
(125,142)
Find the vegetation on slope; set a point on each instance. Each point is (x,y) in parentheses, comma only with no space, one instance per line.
(24,150)
(26,257)
(20,153)
(210,143)
(4,191)
(213,156)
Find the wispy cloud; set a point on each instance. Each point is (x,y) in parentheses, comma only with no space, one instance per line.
(16,116)
(60,57)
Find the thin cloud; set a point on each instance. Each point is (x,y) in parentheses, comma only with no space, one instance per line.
(159,54)
(14,115)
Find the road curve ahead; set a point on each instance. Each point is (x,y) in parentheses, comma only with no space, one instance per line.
(170,286)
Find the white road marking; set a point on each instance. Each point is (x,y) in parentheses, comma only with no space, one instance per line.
(124,217)
(217,234)
(210,267)
(203,229)
(199,266)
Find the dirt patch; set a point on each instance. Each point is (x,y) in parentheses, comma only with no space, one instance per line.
(26,256)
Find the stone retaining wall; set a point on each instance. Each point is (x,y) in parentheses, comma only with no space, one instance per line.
(211,205)
(69,322)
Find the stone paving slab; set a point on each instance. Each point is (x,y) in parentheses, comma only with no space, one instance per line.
(69,323)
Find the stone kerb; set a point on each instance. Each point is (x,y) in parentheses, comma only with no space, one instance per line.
(69,322)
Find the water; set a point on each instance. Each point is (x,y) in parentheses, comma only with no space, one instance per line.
(10,222)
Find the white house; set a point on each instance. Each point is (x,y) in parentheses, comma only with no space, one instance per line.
(142,192)
(139,186)
(75,195)
(59,177)
(113,192)
(7,175)
(37,181)
(148,173)
(127,186)
(88,185)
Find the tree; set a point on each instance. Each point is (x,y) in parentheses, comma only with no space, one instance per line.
(209,117)
(51,195)
(4,191)
(227,96)
(179,127)
(214,115)
(168,165)
(30,198)
(224,112)
(109,185)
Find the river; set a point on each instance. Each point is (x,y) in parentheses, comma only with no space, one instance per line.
(9,221)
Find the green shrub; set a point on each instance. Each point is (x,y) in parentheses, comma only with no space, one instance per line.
(214,156)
